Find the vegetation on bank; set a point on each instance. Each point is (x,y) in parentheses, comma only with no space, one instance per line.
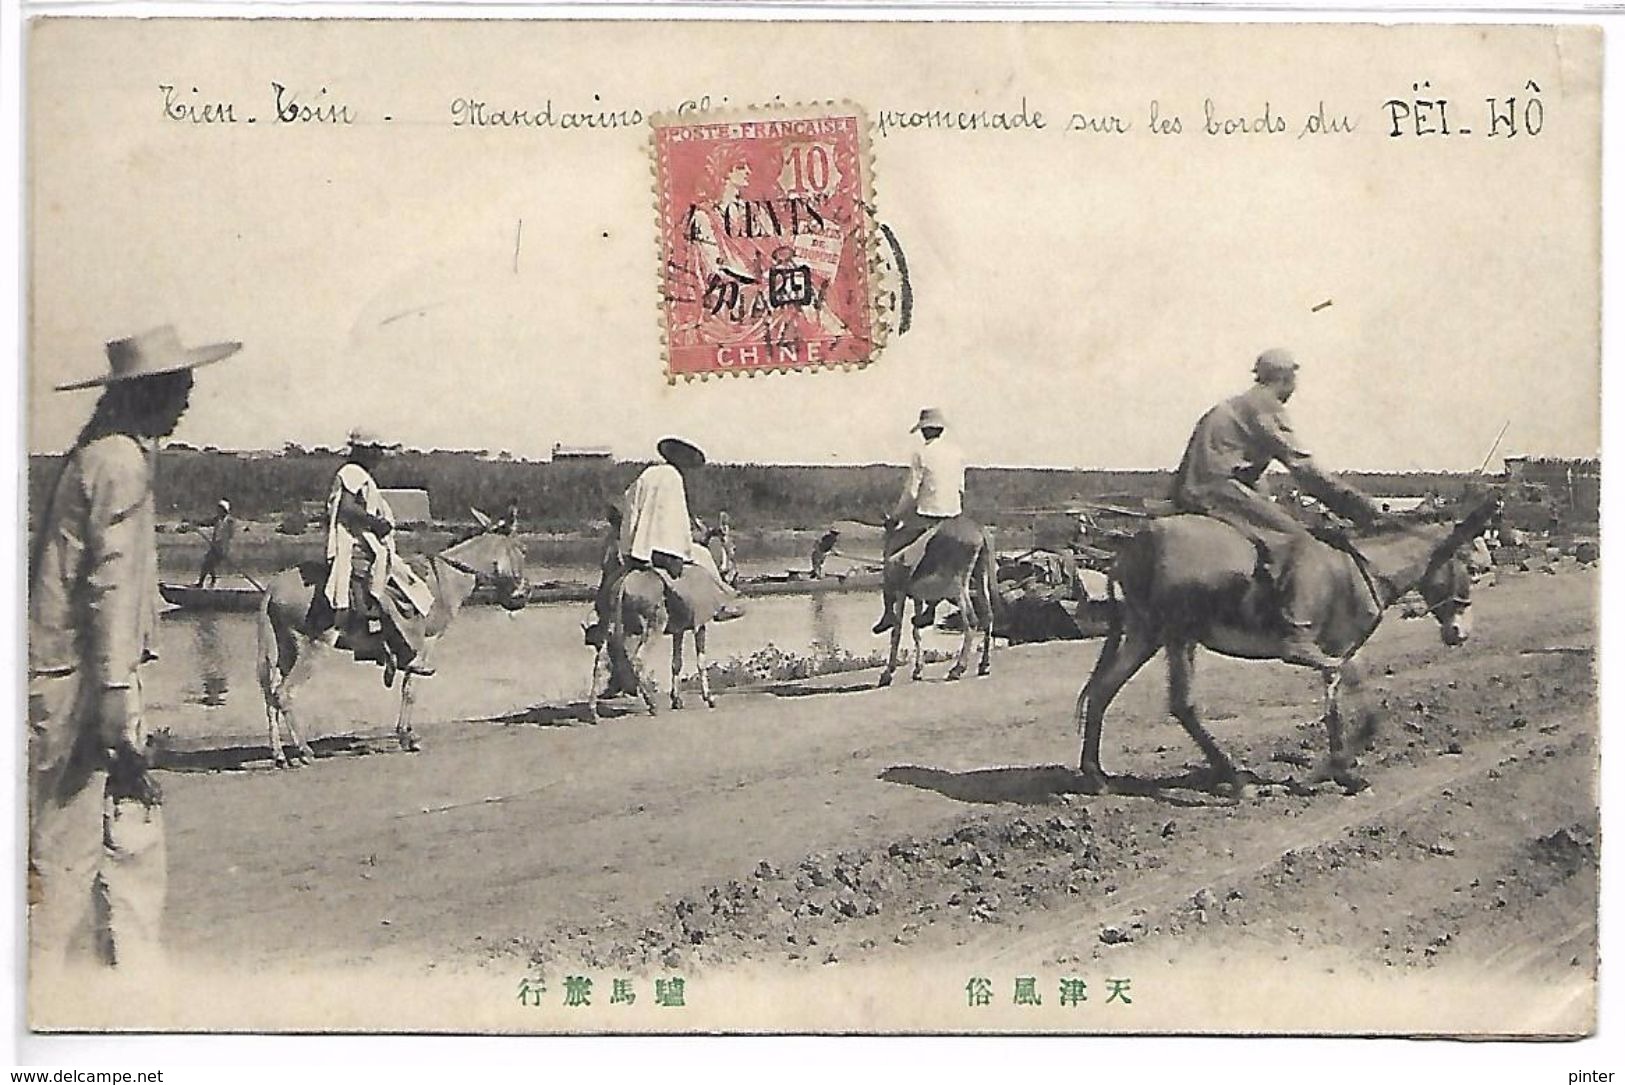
(570,496)
(773,664)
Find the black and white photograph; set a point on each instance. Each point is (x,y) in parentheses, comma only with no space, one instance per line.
(569,526)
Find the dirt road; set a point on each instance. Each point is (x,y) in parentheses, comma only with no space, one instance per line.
(832,826)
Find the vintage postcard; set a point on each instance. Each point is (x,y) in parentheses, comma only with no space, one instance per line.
(620,527)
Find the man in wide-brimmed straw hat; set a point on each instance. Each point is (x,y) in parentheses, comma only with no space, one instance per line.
(934,494)
(1232,446)
(367,581)
(657,529)
(96,853)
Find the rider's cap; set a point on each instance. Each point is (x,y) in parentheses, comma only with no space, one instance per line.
(1275,362)
(930,418)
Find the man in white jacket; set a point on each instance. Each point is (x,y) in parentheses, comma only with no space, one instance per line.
(657,529)
(935,494)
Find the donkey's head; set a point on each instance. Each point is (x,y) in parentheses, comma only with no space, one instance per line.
(497,555)
(1447,584)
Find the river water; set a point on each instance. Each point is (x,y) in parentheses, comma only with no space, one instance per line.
(491,664)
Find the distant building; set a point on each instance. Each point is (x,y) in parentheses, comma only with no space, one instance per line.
(1572,485)
(579,453)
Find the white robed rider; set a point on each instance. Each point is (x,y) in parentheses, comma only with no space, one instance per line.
(364,569)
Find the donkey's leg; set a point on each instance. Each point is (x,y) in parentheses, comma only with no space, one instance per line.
(699,661)
(983,598)
(676,669)
(1103,664)
(1182,703)
(919,650)
(967,619)
(403,722)
(276,657)
(1118,662)
(984,617)
(637,654)
(298,674)
(273,723)
(894,608)
(599,681)
(1364,734)
(272,676)
(1339,763)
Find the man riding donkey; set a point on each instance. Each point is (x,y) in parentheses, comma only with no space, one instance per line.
(934,495)
(376,605)
(1229,451)
(1236,574)
(933,552)
(652,531)
(657,529)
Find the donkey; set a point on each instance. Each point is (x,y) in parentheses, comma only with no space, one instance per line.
(632,608)
(636,607)
(286,640)
(1189,580)
(957,565)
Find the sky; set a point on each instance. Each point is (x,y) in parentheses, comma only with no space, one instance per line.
(1079,299)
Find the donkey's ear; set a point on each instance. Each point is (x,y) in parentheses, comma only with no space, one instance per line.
(1476,521)
(480,518)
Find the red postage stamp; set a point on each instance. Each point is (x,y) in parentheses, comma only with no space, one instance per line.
(766,241)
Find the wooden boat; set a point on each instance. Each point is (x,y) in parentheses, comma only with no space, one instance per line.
(188,597)
(803,584)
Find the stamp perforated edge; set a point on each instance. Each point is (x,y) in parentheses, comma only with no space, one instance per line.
(879,326)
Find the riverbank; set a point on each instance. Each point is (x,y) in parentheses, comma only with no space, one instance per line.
(259,547)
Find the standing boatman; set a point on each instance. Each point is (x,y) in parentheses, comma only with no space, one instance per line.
(222,529)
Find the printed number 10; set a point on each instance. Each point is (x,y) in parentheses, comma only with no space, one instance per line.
(809,167)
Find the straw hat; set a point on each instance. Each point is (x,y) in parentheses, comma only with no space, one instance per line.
(679,453)
(152,354)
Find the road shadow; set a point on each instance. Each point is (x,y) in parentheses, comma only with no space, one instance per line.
(787,689)
(573,714)
(1029,785)
(1036,785)
(199,757)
